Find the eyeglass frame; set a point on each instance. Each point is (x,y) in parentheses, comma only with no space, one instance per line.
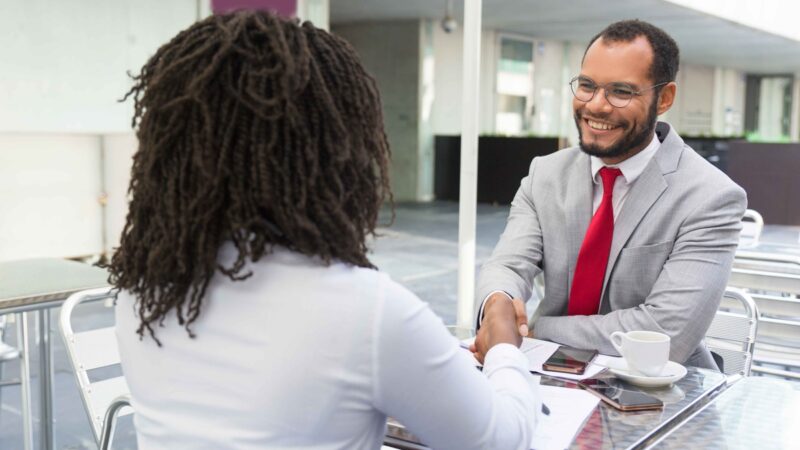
(597,86)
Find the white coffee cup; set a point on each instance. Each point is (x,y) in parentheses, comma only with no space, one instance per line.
(646,352)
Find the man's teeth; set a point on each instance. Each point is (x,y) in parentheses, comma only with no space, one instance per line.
(600,126)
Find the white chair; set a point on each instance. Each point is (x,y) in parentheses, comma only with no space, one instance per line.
(732,333)
(752,226)
(103,400)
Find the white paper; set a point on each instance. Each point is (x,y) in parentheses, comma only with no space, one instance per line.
(569,410)
(538,351)
(569,407)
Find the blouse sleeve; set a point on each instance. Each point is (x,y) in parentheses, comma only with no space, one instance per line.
(425,380)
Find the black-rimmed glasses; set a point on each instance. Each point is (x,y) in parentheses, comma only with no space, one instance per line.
(618,95)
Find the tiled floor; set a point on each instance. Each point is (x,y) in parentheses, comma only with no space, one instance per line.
(420,250)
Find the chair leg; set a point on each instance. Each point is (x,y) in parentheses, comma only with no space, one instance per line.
(25,380)
(2,364)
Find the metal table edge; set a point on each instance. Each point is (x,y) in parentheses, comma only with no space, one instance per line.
(700,403)
(41,301)
(402,443)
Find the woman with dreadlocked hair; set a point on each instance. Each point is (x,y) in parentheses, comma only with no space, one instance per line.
(248,314)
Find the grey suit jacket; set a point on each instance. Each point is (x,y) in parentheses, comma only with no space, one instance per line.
(674,242)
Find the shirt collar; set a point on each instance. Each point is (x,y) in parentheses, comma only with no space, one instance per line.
(632,167)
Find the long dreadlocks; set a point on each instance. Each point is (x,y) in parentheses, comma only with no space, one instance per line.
(255,130)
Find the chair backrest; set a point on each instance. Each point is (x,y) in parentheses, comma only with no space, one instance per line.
(767,262)
(752,226)
(775,287)
(89,350)
(732,333)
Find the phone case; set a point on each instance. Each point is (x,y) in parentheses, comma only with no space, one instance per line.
(565,369)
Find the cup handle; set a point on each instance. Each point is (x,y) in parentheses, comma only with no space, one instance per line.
(616,340)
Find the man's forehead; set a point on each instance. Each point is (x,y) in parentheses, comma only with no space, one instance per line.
(625,61)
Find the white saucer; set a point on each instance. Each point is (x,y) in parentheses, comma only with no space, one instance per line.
(671,373)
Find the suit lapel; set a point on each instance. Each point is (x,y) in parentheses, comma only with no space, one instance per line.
(647,188)
(578,208)
(644,192)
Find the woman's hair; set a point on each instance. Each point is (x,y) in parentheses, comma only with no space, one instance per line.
(255,130)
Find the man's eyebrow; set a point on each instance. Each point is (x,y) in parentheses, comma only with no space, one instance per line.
(624,84)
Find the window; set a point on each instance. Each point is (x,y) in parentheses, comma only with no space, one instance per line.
(514,86)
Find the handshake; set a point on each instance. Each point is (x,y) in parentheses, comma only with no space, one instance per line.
(504,322)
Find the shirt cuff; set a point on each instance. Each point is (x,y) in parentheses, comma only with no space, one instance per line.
(483,304)
(503,356)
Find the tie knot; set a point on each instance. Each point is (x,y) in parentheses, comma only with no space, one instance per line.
(609,175)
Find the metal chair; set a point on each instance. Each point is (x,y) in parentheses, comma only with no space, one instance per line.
(752,226)
(103,400)
(767,261)
(775,286)
(732,333)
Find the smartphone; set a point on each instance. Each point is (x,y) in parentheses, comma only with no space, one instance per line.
(569,360)
(622,398)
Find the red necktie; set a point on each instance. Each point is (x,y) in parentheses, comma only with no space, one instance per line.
(590,270)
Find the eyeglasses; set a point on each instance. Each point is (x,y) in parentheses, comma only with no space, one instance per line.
(618,95)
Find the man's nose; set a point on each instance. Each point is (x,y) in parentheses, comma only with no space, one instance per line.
(599,103)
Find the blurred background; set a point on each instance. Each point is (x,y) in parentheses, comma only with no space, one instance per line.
(66,140)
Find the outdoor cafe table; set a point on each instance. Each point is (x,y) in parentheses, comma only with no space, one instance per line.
(40,285)
(608,428)
(754,413)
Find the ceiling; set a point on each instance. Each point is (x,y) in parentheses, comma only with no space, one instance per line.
(702,38)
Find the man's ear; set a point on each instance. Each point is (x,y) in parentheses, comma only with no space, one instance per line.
(666,97)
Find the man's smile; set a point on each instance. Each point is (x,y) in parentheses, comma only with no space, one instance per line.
(602,126)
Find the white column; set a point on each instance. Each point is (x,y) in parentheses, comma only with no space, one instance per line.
(203,9)
(316,11)
(718,103)
(469,163)
(794,127)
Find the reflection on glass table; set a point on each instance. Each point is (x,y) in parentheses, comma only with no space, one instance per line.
(613,429)
(756,412)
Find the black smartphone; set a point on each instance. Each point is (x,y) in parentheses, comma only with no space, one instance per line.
(620,397)
(569,360)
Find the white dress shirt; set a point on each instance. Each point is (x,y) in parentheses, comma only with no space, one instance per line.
(304,355)
(631,169)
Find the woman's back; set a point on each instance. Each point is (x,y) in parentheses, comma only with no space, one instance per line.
(283,359)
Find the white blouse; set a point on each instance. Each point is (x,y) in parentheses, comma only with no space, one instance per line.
(304,355)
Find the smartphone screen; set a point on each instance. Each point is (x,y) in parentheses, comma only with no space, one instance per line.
(625,399)
(570,360)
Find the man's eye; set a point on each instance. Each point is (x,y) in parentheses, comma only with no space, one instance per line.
(622,92)
(586,86)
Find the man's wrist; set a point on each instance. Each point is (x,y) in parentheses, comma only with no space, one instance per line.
(495,297)
(482,310)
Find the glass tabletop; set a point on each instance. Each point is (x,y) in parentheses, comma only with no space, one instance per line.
(755,412)
(608,428)
(34,281)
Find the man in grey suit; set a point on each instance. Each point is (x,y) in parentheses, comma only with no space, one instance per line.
(632,228)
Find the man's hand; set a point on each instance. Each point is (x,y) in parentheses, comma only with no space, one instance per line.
(519,310)
(504,321)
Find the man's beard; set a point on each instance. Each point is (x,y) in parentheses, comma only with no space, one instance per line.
(633,140)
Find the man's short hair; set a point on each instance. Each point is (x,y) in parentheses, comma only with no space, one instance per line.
(664,67)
